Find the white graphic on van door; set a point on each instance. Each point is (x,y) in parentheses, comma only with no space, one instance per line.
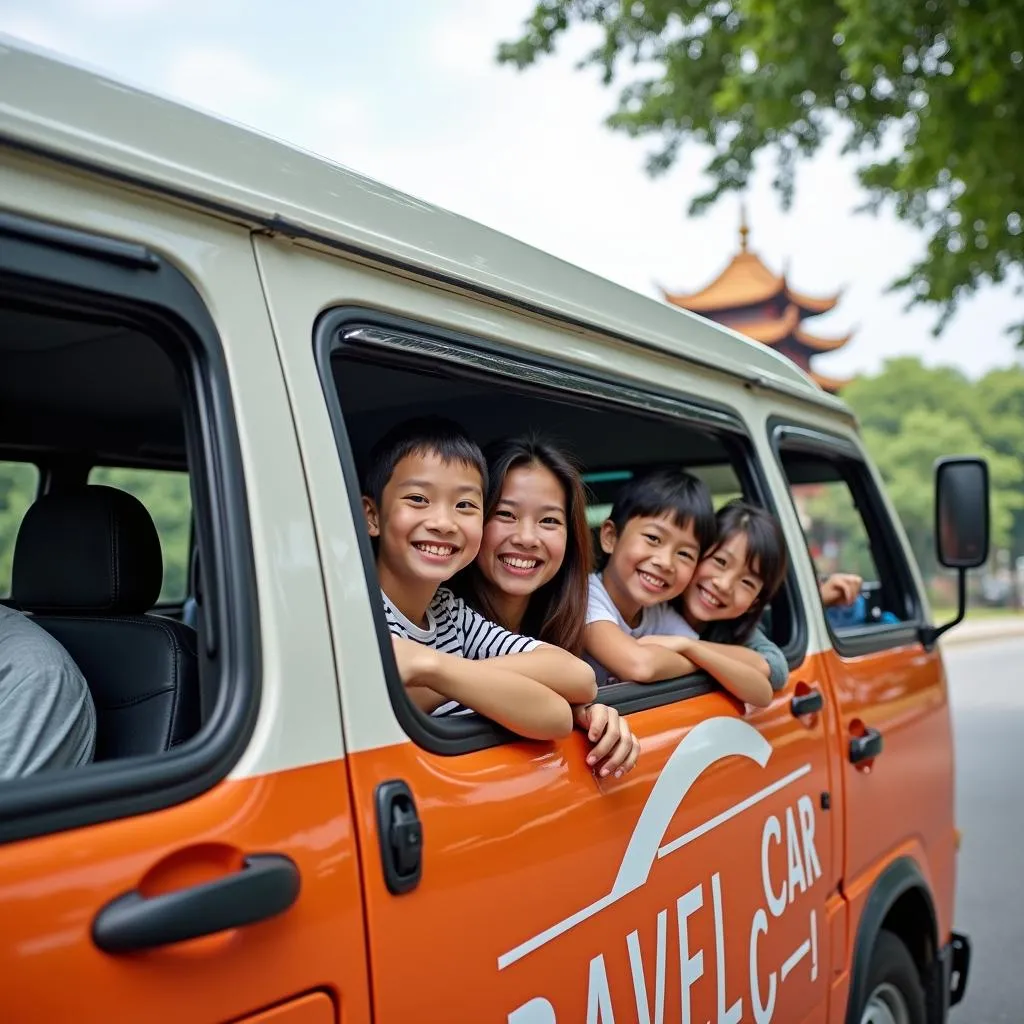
(707,743)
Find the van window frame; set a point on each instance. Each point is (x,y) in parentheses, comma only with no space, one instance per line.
(852,465)
(90,272)
(370,334)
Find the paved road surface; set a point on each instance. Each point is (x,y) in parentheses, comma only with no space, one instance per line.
(987,689)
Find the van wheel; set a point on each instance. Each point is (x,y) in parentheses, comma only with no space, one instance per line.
(895,993)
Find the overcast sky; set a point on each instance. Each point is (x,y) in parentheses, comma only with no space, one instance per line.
(407,91)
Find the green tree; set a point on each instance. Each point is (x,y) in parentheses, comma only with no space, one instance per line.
(912,414)
(881,401)
(1000,401)
(18,484)
(929,95)
(906,462)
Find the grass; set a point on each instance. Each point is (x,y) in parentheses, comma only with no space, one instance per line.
(940,613)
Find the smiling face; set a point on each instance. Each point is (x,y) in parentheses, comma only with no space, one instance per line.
(429,525)
(651,561)
(725,586)
(525,538)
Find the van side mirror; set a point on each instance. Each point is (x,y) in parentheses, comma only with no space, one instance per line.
(961,512)
(961,525)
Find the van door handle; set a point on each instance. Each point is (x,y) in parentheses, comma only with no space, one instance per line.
(807,703)
(267,885)
(866,747)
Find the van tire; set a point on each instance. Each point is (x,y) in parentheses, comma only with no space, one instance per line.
(894,993)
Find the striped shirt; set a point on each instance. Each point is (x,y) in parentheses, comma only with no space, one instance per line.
(455,628)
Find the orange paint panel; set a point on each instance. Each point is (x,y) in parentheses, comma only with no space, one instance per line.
(546,894)
(906,794)
(52,887)
(315,1008)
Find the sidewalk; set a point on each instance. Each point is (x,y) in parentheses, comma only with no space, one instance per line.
(969,631)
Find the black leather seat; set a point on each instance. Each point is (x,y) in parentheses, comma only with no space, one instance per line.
(87,564)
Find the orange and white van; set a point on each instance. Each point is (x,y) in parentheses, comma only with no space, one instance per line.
(270,831)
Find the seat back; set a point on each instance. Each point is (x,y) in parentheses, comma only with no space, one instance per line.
(87,565)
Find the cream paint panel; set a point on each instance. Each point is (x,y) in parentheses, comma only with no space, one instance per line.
(55,106)
(299,722)
(301,284)
(818,638)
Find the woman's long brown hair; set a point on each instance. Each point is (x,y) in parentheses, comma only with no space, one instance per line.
(556,613)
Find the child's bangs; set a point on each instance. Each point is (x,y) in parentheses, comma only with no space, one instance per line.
(453,453)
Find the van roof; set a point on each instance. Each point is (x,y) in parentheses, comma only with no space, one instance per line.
(89,118)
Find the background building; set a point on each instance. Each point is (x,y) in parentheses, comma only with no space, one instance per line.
(749,298)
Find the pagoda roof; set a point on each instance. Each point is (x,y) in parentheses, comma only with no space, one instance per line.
(826,383)
(746,281)
(774,330)
(770,330)
(819,344)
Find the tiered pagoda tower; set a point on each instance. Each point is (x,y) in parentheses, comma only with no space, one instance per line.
(750,299)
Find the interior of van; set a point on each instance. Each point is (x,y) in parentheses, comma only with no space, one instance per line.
(95,400)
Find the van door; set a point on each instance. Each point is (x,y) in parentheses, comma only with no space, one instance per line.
(889,690)
(203,867)
(502,879)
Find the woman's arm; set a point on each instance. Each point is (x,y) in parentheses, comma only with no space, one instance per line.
(744,673)
(629,659)
(512,700)
(569,676)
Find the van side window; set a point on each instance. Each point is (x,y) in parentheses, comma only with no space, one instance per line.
(847,531)
(106,378)
(168,499)
(377,377)
(19,484)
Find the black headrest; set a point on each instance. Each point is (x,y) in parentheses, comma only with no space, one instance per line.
(92,549)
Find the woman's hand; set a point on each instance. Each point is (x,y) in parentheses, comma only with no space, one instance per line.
(614,743)
(840,588)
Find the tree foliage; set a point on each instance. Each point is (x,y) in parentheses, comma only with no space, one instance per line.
(18,485)
(928,93)
(911,415)
(165,494)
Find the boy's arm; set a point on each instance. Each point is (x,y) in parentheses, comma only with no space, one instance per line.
(512,700)
(627,658)
(567,675)
(743,672)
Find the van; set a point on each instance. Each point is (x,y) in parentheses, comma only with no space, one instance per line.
(270,831)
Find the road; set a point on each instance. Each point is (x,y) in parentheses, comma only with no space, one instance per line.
(987,691)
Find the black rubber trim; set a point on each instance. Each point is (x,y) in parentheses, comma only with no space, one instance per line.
(793,436)
(277,225)
(898,878)
(162,303)
(403,342)
(111,250)
(266,885)
(862,640)
(465,733)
